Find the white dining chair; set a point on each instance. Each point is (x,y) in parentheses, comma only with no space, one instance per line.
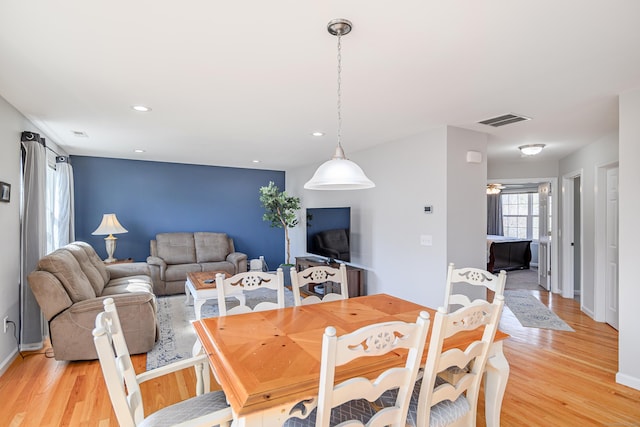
(436,402)
(325,276)
(250,281)
(474,277)
(207,408)
(349,401)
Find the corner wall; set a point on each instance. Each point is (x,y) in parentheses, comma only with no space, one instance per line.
(388,220)
(629,291)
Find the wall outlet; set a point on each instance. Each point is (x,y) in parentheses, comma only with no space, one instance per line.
(5,322)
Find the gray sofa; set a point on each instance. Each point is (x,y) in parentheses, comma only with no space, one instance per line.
(173,255)
(70,284)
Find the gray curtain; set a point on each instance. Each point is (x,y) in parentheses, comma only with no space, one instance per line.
(63,228)
(32,236)
(494,215)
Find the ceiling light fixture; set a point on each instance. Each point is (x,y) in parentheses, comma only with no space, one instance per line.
(138,150)
(531,149)
(339,173)
(141,108)
(317,134)
(494,188)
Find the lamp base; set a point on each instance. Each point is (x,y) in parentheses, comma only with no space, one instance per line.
(110,243)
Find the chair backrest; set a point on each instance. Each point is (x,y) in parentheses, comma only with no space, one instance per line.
(479,314)
(117,369)
(373,340)
(471,276)
(319,275)
(249,281)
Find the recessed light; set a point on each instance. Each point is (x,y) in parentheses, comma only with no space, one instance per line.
(255,161)
(79,134)
(141,108)
(317,134)
(138,150)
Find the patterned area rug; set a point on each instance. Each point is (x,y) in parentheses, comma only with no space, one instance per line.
(176,333)
(531,313)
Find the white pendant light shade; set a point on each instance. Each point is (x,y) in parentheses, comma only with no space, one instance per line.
(339,173)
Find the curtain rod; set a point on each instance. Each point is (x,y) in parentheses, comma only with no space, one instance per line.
(33,136)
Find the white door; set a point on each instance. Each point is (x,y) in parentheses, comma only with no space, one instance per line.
(544,247)
(611,279)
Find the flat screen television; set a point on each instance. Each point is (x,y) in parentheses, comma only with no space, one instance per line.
(329,233)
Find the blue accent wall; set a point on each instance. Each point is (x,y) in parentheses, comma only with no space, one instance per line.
(156,197)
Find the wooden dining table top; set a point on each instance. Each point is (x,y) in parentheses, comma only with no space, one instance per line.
(267,358)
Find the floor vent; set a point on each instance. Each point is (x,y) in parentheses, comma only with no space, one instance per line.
(505,119)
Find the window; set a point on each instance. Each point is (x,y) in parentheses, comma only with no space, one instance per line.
(520,215)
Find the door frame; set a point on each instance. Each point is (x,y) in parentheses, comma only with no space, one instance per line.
(568,191)
(600,221)
(554,222)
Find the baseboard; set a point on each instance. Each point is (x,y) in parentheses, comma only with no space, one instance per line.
(8,360)
(628,380)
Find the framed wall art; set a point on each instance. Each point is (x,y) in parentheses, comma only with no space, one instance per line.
(5,192)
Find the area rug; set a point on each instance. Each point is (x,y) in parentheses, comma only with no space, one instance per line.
(176,332)
(531,313)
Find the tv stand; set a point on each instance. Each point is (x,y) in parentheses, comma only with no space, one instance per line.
(355,275)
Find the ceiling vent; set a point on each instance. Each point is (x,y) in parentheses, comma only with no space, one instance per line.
(505,119)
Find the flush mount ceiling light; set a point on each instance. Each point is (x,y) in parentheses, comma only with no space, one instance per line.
(317,134)
(531,149)
(339,173)
(141,108)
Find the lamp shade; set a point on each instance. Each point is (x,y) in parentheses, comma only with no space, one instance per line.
(109,225)
(339,173)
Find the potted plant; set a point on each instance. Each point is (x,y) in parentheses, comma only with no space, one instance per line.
(280,211)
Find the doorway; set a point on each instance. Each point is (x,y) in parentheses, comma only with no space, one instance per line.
(550,249)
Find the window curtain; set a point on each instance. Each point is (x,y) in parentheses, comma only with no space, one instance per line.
(494,215)
(63,229)
(33,238)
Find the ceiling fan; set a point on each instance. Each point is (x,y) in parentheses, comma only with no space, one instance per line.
(494,188)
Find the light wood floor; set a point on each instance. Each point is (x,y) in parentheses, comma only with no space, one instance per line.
(557,379)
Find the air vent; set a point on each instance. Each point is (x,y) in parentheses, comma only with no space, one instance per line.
(504,120)
(79,133)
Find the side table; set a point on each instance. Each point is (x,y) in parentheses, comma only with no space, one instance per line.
(119,261)
(201,285)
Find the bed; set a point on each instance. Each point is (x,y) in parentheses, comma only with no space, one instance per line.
(507,253)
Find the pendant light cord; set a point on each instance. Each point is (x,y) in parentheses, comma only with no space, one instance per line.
(339,91)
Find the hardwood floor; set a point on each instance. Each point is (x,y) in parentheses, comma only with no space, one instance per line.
(557,379)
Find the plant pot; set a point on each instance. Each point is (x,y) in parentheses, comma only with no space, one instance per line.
(287,275)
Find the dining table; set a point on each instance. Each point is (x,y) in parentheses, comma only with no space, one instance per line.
(268,362)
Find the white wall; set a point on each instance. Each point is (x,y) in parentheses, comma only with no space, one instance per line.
(629,182)
(587,160)
(466,204)
(526,167)
(388,220)
(12,124)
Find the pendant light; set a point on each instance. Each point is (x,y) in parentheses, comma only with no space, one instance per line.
(339,173)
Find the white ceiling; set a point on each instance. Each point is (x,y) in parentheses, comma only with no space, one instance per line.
(234,81)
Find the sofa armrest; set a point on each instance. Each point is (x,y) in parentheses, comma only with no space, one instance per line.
(154,260)
(157,266)
(49,292)
(117,271)
(239,260)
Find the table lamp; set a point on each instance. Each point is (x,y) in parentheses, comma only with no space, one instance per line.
(110,226)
